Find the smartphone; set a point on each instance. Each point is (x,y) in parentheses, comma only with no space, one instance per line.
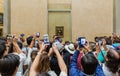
(38,34)
(46,39)
(22,35)
(59,45)
(9,37)
(100,42)
(36,42)
(81,42)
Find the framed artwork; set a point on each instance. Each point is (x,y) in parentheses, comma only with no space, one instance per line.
(59,31)
(1,18)
(1,32)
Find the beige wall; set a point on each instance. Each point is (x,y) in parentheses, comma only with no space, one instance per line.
(1,6)
(29,16)
(92,18)
(117,16)
(59,1)
(1,11)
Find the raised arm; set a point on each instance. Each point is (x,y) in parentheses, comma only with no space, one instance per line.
(36,61)
(61,62)
(16,47)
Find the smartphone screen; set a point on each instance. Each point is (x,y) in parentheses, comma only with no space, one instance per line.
(36,42)
(46,39)
(100,42)
(81,41)
(9,37)
(59,45)
(38,34)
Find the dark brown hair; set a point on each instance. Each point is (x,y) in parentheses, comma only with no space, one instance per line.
(44,64)
(112,63)
(8,64)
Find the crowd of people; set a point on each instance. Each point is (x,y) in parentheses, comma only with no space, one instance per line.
(33,56)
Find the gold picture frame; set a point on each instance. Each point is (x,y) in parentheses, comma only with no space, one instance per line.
(60,31)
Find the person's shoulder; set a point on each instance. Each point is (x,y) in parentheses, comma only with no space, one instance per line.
(99,70)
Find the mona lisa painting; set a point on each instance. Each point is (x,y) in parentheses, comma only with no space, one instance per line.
(60,31)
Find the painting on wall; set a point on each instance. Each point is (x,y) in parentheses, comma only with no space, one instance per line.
(60,31)
(1,32)
(1,18)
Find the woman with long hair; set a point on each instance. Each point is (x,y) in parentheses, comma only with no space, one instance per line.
(41,63)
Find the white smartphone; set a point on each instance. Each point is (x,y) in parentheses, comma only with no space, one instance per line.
(46,39)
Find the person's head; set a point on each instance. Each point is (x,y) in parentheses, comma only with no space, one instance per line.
(3,49)
(103,39)
(11,47)
(44,64)
(67,42)
(33,55)
(20,44)
(96,39)
(48,47)
(75,45)
(108,41)
(92,46)
(21,37)
(115,39)
(57,38)
(89,64)
(39,42)
(54,37)
(9,65)
(70,48)
(3,39)
(29,40)
(112,60)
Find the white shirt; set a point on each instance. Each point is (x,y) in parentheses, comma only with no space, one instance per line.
(22,60)
(63,74)
(52,73)
(107,72)
(28,52)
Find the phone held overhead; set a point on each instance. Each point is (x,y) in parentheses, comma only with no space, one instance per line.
(81,42)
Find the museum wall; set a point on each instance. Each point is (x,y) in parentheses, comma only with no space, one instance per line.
(28,16)
(89,18)
(92,18)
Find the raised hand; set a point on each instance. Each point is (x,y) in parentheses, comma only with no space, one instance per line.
(42,47)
